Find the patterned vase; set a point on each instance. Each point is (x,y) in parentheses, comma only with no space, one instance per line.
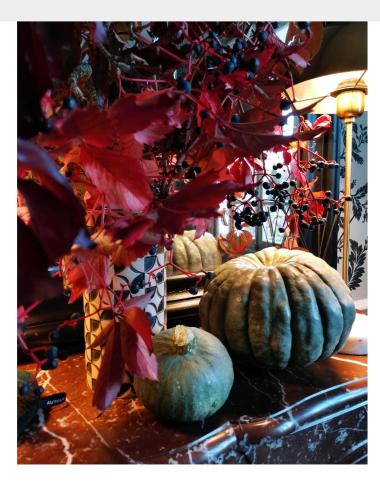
(94,326)
(137,275)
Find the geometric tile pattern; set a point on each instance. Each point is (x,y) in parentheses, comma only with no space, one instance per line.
(137,277)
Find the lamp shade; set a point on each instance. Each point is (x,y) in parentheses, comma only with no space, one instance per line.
(342,56)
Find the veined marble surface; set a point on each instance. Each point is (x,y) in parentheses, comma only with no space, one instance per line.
(313,415)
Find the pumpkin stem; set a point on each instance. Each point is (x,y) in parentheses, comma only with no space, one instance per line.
(184,340)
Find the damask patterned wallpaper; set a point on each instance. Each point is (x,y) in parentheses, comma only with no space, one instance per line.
(357,266)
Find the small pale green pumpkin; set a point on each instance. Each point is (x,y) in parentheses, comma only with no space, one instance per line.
(195,375)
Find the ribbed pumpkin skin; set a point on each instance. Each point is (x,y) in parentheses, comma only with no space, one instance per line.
(278,308)
(194,255)
(191,386)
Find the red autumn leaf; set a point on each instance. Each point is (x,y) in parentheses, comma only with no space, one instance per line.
(210,102)
(153,133)
(291,243)
(90,124)
(119,177)
(131,147)
(137,234)
(236,79)
(87,273)
(254,123)
(322,121)
(292,221)
(201,225)
(311,43)
(136,354)
(135,112)
(150,168)
(250,124)
(287,157)
(111,372)
(141,301)
(51,204)
(138,321)
(69,211)
(199,198)
(255,143)
(31,157)
(123,256)
(265,56)
(33,279)
(130,231)
(48,213)
(203,193)
(176,115)
(235,244)
(318,195)
(176,222)
(218,160)
(241,172)
(316,208)
(300,176)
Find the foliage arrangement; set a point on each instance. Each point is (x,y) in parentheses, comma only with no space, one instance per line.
(131,132)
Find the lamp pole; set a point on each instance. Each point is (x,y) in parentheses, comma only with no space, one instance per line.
(347,189)
(350,103)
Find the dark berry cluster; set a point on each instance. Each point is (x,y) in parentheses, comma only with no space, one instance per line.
(250,216)
(53,353)
(222,56)
(52,361)
(316,166)
(26,388)
(171,172)
(279,193)
(251,209)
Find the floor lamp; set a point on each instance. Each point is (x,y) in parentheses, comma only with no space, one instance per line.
(350,97)
(346,97)
(337,75)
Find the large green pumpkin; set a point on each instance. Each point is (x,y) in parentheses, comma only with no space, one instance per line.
(278,308)
(195,375)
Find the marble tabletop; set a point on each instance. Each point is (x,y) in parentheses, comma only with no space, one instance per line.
(313,415)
